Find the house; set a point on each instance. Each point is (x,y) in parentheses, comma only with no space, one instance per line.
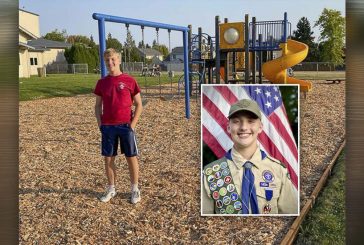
(151,54)
(176,54)
(34,51)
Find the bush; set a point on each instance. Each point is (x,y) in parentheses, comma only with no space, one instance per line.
(79,53)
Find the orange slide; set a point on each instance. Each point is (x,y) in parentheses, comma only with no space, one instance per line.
(293,53)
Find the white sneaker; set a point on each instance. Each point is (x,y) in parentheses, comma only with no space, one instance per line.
(108,195)
(135,197)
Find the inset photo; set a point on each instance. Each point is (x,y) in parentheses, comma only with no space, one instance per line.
(250,150)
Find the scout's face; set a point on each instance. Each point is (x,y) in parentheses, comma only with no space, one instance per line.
(244,128)
(112,62)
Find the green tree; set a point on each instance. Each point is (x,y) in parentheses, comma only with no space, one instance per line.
(161,48)
(131,52)
(56,35)
(113,43)
(304,34)
(332,34)
(72,39)
(80,53)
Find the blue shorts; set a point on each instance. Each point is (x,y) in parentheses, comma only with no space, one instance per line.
(112,134)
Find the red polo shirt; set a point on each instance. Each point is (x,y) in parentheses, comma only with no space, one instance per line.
(117,94)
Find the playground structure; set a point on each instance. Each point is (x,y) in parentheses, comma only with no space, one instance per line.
(233,58)
(234,55)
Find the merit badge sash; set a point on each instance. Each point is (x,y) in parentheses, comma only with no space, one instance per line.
(222,187)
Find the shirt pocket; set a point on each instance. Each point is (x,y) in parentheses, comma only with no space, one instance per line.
(263,196)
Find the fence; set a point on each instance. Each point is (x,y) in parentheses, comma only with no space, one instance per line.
(67,68)
(318,66)
(132,66)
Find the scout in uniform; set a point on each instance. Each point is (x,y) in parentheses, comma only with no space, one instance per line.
(246,180)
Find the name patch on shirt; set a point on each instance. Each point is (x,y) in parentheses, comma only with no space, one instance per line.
(264,184)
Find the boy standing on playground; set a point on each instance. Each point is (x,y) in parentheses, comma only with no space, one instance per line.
(115,95)
(247,180)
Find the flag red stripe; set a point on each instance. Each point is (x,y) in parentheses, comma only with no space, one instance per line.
(215,113)
(272,150)
(281,129)
(212,143)
(227,94)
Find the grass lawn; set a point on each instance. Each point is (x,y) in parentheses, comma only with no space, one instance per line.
(60,85)
(325,224)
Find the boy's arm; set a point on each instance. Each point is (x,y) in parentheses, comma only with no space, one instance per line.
(138,110)
(98,109)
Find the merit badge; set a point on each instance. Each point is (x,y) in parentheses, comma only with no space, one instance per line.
(208,171)
(219,204)
(238,205)
(213,186)
(210,178)
(231,187)
(220,182)
(226,200)
(234,196)
(222,191)
(215,195)
(230,209)
(268,176)
(263,184)
(223,165)
(216,167)
(218,175)
(225,172)
(227,179)
(268,194)
(267,208)
(222,211)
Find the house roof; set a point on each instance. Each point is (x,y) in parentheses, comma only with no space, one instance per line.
(31,35)
(28,12)
(149,52)
(24,45)
(42,43)
(177,50)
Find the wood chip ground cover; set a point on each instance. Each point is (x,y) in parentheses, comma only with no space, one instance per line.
(61,174)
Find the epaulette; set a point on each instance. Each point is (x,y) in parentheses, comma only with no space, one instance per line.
(276,161)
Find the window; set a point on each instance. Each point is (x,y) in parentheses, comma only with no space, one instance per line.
(33,61)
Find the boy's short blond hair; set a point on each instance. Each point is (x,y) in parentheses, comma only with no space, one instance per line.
(110,51)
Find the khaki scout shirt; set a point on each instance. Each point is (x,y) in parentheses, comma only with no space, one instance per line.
(284,200)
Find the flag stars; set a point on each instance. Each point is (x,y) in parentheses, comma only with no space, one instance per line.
(267,93)
(268,104)
(276,98)
(258,90)
(275,89)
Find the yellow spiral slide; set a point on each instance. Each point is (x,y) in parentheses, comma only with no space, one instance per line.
(293,52)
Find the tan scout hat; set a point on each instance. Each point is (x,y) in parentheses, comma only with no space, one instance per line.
(245,105)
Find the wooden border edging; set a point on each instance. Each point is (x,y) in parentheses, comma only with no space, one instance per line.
(293,230)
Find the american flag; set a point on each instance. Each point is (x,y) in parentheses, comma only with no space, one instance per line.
(276,139)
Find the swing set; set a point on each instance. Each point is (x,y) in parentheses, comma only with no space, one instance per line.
(102,18)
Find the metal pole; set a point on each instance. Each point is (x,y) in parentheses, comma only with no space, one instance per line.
(217,44)
(186,72)
(254,37)
(285,27)
(246,48)
(190,57)
(200,68)
(260,59)
(102,42)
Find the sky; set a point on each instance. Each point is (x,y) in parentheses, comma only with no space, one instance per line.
(76,16)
